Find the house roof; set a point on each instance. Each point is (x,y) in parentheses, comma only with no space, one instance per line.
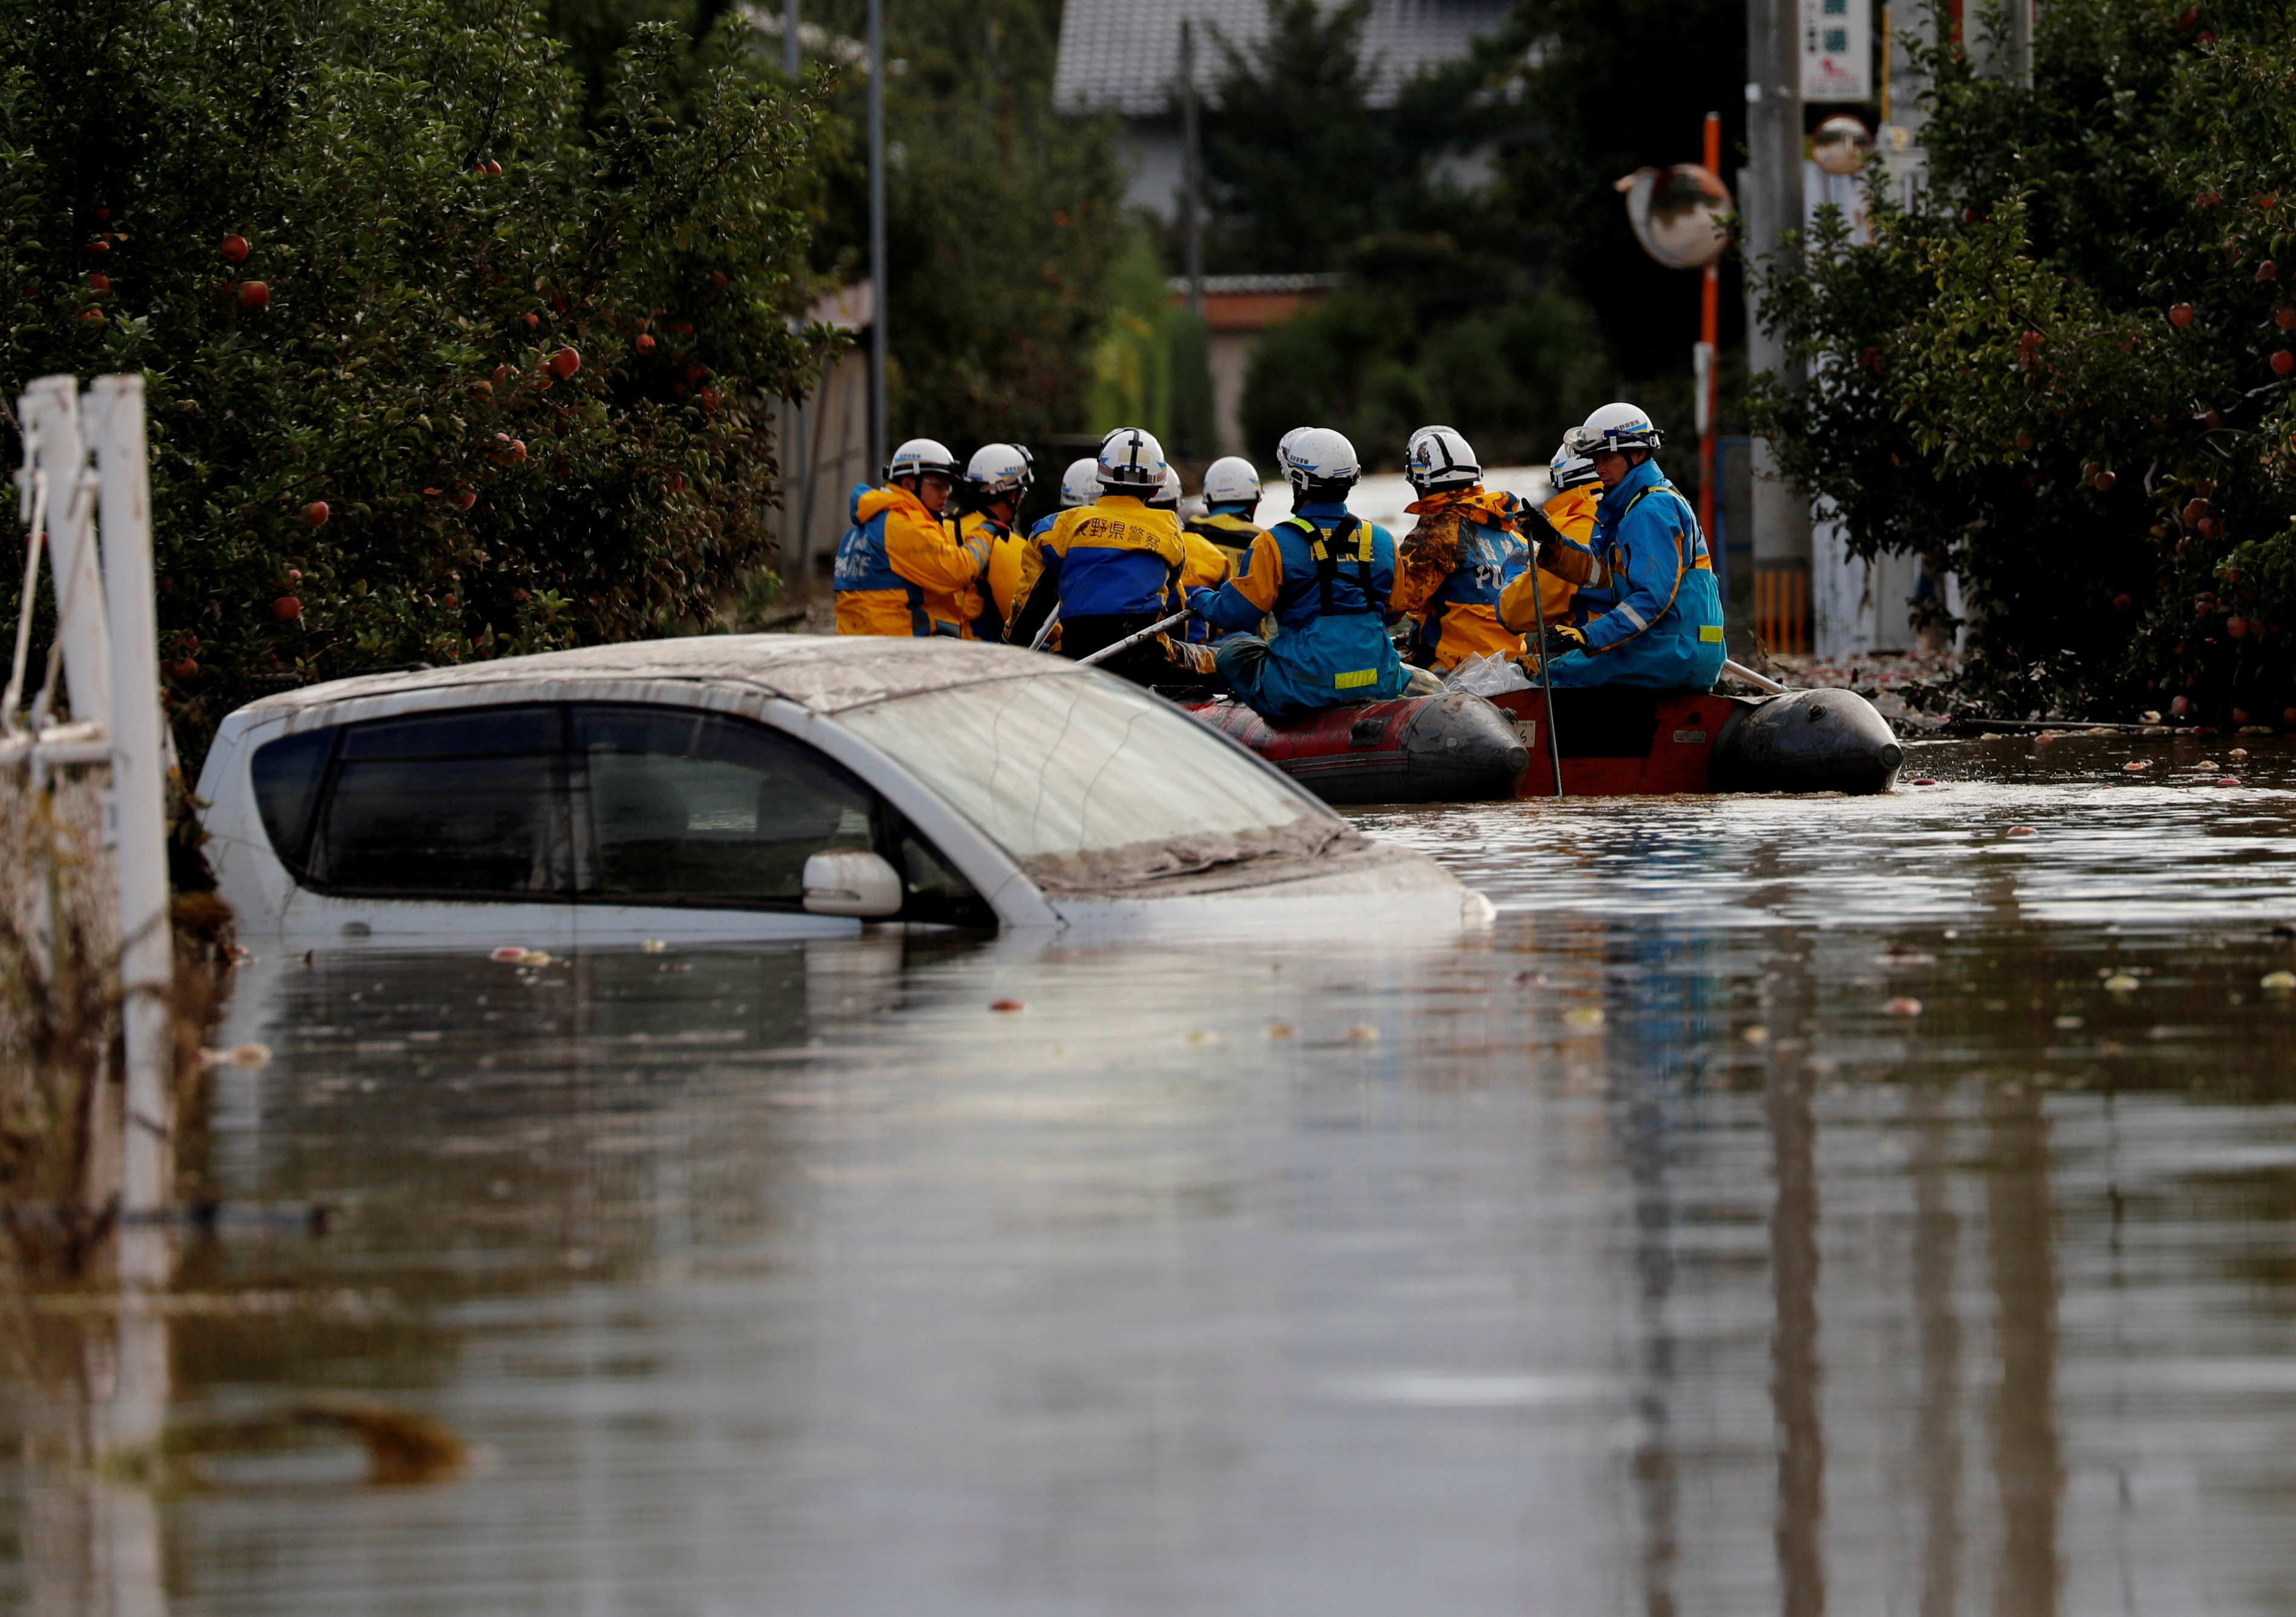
(1123,57)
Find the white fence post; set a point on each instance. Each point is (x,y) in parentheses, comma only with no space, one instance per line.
(52,435)
(114,414)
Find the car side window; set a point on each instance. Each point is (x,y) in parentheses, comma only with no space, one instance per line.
(465,804)
(287,775)
(696,808)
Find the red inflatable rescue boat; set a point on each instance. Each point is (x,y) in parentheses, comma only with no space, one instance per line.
(1615,742)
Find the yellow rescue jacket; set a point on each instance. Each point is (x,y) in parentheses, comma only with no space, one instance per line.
(1000,549)
(1572,512)
(899,571)
(1115,557)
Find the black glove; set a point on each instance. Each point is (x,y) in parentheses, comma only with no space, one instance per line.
(1531,523)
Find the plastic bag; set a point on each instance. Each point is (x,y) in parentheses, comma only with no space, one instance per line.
(1487,676)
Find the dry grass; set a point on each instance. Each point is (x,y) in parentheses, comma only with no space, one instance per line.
(61,1067)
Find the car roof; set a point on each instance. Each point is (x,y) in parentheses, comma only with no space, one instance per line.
(827,673)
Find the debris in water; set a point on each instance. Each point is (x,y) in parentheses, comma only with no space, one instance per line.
(510,953)
(2226,781)
(1008,1004)
(2070,1022)
(1756,1035)
(654,945)
(1584,1016)
(1924,781)
(1902,1007)
(2240,755)
(1363,1033)
(1281,1029)
(238,1055)
(2023,831)
(535,956)
(2149,716)
(2134,764)
(1202,1036)
(2120,983)
(2280,982)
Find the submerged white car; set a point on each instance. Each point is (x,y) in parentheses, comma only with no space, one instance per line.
(758,787)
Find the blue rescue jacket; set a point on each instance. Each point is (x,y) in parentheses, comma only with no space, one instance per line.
(1655,619)
(1326,576)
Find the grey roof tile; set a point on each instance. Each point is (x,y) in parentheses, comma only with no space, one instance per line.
(1123,57)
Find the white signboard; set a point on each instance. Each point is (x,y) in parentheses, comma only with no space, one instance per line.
(1837,49)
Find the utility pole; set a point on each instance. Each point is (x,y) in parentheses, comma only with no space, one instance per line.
(1192,234)
(879,448)
(1704,369)
(791,60)
(1772,192)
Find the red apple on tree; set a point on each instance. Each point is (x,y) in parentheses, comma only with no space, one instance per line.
(286,609)
(234,250)
(2237,627)
(316,514)
(564,363)
(253,294)
(98,283)
(644,344)
(2123,602)
(2180,314)
(2282,361)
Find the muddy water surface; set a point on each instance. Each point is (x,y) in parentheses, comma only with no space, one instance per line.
(1883,1205)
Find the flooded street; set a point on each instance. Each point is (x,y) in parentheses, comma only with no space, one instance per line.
(1881,1205)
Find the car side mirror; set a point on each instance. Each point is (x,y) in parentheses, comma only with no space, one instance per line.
(851,881)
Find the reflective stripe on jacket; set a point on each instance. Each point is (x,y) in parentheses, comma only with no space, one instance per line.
(901,572)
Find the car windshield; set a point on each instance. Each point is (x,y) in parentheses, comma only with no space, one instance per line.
(1087,781)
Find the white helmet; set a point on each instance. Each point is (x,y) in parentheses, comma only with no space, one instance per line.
(1080,483)
(1319,458)
(1131,460)
(1439,458)
(997,470)
(1616,427)
(1284,443)
(1167,497)
(920,457)
(1231,480)
(1569,469)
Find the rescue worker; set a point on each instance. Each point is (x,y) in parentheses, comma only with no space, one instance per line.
(1326,575)
(1569,513)
(1169,492)
(1453,564)
(1231,501)
(899,569)
(1650,613)
(996,480)
(1112,568)
(1208,566)
(1079,486)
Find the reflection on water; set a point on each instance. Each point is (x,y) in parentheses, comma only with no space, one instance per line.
(1633,1257)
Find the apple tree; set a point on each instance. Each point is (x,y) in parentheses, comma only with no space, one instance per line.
(2064,372)
(438,368)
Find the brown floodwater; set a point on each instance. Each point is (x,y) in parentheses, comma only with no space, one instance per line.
(1790,1204)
